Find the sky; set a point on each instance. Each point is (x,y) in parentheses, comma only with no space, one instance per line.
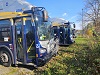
(66,9)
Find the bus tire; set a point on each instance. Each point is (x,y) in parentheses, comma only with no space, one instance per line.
(5,58)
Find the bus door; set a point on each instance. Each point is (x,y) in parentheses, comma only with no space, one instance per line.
(19,40)
(66,35)
(30,41)
(61,36)
(25,38)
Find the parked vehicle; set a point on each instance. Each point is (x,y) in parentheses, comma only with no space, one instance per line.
(26,37)
(65,33)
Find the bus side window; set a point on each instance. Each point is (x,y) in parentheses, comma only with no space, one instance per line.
(5,31)
(5,34)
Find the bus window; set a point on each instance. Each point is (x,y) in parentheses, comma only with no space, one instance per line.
(5,31)
(44,31)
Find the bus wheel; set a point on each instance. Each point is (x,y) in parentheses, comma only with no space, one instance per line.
(5,58)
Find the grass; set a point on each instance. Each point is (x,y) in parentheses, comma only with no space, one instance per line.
(80,58)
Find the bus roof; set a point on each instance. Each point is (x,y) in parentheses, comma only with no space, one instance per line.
(7,15)
(63,25)
(55,25)
(58,25)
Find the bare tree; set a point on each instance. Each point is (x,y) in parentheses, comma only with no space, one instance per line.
(92,13)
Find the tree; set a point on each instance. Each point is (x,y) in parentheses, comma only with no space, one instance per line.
(92,12)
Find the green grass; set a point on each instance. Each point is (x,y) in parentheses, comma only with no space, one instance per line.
(80,58)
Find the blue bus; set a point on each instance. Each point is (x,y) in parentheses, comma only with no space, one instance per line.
(65,33)
(27,38)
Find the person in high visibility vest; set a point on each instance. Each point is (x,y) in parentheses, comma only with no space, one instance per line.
(42,37)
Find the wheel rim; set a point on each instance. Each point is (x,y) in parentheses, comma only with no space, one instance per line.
(4,57)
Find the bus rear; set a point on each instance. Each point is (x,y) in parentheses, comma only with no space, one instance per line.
(66,34)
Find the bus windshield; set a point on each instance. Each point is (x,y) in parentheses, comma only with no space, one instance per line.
(44,31)
(43,28)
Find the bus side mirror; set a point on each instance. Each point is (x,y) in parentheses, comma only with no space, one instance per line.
(45,15)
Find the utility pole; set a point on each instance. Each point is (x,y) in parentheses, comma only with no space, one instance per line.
(82,24)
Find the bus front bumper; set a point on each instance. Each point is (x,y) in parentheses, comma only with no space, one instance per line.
(43,60)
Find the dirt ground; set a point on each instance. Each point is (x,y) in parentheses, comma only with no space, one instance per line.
(19,70)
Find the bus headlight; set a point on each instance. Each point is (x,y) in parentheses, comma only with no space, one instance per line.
(42,50)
